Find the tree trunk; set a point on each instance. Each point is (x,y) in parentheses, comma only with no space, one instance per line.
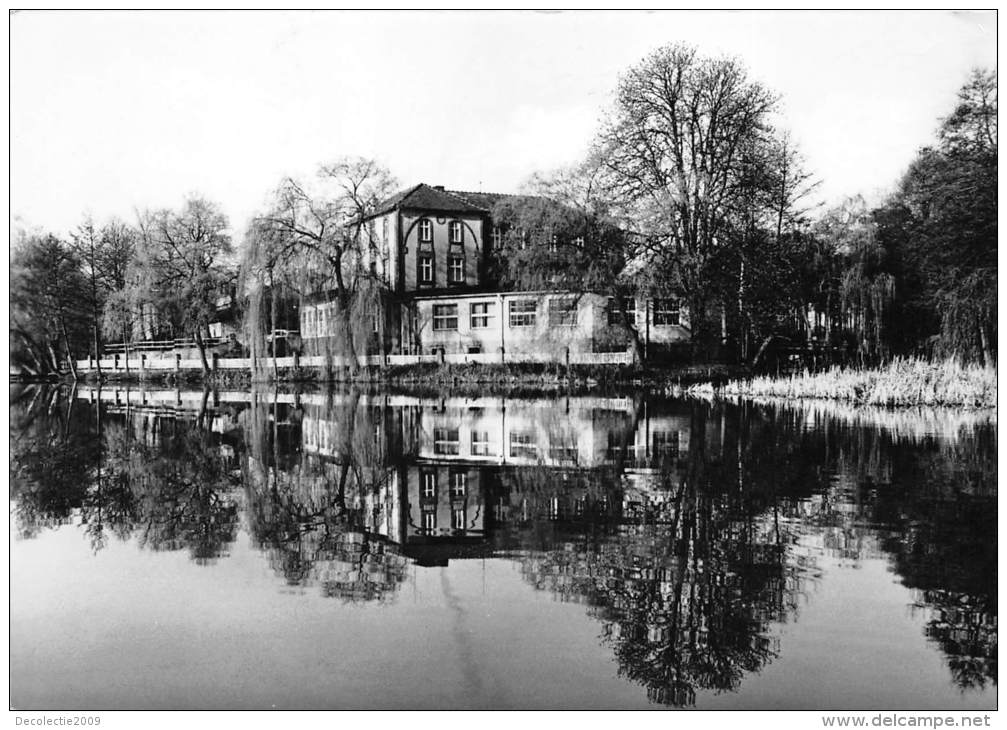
(125,349)
(201,346)
(272,325)
(984,344)
(66,344)
(347,324)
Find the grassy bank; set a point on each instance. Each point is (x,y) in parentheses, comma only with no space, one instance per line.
(903,382)
(541,376)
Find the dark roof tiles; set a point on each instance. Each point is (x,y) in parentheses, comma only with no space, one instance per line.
(425,197)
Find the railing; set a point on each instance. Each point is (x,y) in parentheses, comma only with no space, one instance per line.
(160,345)
(144,363)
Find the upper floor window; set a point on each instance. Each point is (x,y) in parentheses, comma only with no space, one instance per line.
(522,312)
(426,231)
(458,484)
(667,312)
(455,232)
(426,269)
(563,312)
(497,238)
(429,482)
(456,269)
(445,317)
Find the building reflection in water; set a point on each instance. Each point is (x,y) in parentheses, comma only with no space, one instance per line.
(688,530)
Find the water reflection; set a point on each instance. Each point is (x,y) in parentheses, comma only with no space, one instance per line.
(689,531)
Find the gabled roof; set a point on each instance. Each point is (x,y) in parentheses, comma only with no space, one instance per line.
(426,197)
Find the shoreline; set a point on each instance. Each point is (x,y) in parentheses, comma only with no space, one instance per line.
(542,376)
(902,383)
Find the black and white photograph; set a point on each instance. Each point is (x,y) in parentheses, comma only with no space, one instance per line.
(498,360)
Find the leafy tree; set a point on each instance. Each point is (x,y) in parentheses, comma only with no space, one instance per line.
(181,266)
(943,223)
(48,315)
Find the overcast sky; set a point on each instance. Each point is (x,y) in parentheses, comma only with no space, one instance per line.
(117,111)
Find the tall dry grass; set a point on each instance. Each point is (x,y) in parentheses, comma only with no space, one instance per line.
(902,382)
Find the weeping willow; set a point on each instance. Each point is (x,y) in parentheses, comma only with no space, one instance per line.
(347,306)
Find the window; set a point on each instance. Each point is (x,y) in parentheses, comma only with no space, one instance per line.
(455,230)
(445,317)
(522,312)
(616,307)
(553,243)
(522,446)
(666,312)
(426,231)
(428,482)
(481,443)
(563,447)
(562,312)
(665,443)
(426,269)
(497,238)
(480,314)
(458,520)
(579,242)
(446,441)
(430,521)
(458,484)
(456,269)
(620,445)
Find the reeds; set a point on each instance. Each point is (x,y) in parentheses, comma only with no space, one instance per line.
(902,382)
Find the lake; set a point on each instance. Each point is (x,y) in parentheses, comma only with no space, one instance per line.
(397,550)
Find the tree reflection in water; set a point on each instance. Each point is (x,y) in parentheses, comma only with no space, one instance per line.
(690,531)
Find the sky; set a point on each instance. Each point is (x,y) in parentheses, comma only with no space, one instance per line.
(112,112)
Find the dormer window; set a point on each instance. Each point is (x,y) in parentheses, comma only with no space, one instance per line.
(455,231)
(426,231)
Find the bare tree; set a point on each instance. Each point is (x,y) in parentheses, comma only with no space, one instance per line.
(314,235)
(674,147)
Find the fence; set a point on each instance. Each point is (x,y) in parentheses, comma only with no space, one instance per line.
(143,363)
(160,345)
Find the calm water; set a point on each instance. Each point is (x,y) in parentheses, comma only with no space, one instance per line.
(349,550)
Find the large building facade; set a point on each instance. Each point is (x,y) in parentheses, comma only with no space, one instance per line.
(432,249)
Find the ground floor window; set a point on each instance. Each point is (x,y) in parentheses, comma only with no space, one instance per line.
(616,307)
(446,441)
(480,314)
(522,312)
(445,317)
(666,312)
(562,312)
(481,443)
(522,446)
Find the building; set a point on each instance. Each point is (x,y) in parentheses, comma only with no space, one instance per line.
(432,250)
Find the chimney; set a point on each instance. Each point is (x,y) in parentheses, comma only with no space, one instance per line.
(438,187)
